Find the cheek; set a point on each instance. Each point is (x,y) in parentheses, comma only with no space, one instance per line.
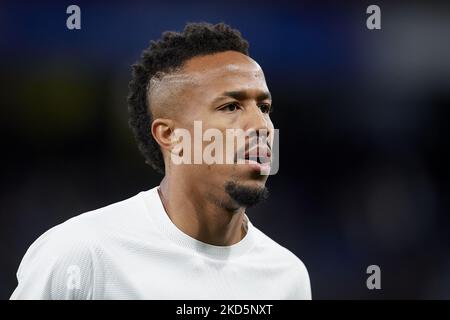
(222,122)
(219,172)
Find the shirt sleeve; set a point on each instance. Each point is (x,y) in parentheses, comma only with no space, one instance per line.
(59,265)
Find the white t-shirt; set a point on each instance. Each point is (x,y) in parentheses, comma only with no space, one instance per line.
(132,250)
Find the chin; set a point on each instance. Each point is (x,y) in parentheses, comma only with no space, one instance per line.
(246,193)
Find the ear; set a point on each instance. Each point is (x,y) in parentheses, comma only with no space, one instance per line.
(162,131)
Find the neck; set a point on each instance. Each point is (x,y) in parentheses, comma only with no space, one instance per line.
(198,216)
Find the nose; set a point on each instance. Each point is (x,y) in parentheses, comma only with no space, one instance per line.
(258,121)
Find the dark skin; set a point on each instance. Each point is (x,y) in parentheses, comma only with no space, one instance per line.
(223,90)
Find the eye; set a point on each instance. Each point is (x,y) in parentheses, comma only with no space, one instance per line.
(265,108)
(231,107)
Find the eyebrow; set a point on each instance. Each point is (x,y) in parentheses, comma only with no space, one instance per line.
(242,95)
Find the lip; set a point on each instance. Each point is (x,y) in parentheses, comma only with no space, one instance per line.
(260,167)
(264,164)
(260,150)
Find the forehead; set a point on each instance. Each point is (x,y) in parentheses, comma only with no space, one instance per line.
(227,61)
(224,68)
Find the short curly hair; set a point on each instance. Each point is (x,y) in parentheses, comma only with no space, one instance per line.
(167,55)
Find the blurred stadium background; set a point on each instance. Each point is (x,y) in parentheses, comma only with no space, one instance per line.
(363,118)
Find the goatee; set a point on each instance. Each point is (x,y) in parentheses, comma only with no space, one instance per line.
(246,196)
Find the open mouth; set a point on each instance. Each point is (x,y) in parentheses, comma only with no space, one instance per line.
(257,159)
(259,154)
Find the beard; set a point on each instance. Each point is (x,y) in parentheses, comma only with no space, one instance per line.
(245,196)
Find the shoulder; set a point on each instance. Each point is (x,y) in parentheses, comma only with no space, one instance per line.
(73,248)
(286,261)
(57,257)
(276,250)
(89,230)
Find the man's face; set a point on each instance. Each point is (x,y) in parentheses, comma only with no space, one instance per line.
(225,91)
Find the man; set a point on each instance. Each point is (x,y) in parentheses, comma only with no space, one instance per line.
(188,238)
